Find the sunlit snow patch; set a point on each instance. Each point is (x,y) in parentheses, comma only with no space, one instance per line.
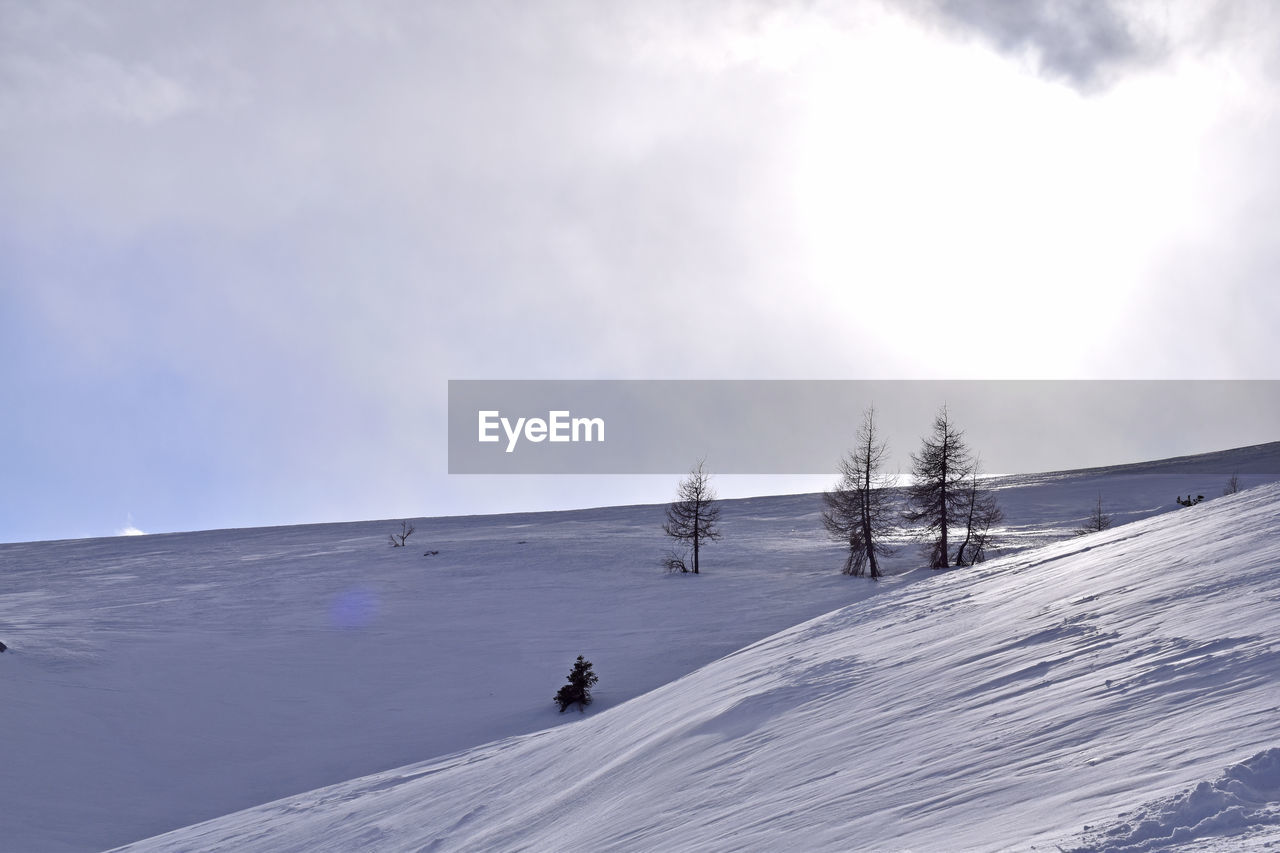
(130,530)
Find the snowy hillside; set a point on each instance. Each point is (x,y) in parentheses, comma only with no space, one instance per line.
(153,682)
(1002,707)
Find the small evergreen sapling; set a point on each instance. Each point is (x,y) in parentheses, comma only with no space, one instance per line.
(579,687)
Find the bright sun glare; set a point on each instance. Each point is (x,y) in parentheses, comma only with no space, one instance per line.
(925,166)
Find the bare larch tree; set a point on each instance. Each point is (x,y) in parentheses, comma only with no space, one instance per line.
(937,496)
(694,515)
(982,513)
(858,509)
(1098,520)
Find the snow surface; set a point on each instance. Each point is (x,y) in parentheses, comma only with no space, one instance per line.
(157,681)
(1240,808)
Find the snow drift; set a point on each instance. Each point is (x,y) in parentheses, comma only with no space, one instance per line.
(1238,810)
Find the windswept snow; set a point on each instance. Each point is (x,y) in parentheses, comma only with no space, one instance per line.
(770,704)
(1238,810)
(994,708)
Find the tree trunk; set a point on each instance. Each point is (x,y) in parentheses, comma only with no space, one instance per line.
(968,533)
(940,562)
(868,542)
(866,509)
(696,519)
(968,525)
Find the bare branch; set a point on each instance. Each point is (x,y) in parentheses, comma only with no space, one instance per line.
(674,561)
(397,539)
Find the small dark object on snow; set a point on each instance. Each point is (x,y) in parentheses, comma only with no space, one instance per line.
(431,553)
(1188,501)
(3,647)
(579,687)
(397,539)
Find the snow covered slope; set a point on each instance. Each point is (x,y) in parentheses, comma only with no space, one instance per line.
(1002,707)
(157,681)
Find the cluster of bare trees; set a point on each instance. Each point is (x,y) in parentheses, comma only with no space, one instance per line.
(955,516)
(945,496)
(945,493)
(946,501)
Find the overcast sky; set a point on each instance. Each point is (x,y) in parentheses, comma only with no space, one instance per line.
(243,245)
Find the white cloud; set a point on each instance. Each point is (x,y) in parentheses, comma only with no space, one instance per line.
(275,231)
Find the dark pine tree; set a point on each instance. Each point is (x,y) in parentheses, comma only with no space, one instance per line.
(578,690)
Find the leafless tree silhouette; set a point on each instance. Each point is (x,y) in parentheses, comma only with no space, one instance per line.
(694,515)
(858,509)
(938,496)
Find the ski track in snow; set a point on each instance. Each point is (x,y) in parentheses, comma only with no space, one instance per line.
(772,704)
